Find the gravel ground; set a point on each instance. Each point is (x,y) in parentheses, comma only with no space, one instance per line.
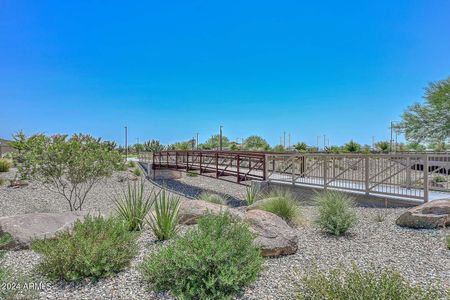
(420,255)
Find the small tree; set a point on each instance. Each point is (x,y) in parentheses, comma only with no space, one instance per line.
(153,146)
(256,142)
(352,147)
(301,147)
(70,167)
(382,146)
(430,122)
(214,142)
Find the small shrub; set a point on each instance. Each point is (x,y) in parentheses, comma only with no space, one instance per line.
(284,204)
(2,181)
(355,284)
(380,217)
(439,179)
(213,261)
(131,164)
(191,174)
(213,198)
(336,213)
(133,205)
(121,166)
(448,241)
(95,248)
(251,195)
(137,172)
(164,218)
(5,165)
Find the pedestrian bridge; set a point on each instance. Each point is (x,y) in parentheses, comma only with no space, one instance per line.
(418,176)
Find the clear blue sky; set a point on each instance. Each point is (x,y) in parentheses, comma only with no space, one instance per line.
(169,69)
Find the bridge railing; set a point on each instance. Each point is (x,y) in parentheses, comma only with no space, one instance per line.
(240,166)
(410,176)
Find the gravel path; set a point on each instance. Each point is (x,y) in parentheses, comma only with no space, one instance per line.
(420,255)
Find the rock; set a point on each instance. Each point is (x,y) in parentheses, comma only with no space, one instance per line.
(28,227)
(432,214)
(191,210)
(260,203)
(273,235)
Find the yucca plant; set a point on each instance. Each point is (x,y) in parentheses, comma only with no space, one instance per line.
(212,198)
(134,204)
(251,194)
(5,165)
(164,216)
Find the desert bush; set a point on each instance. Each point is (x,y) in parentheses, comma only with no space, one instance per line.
(2,181)
(251,195)
(191,174)
(131,164)
(284,204)
(70,167)
(335,212)
(5,165)
(380,217)
(448,241)
(213,261)
(164,217)
(212,197)
(137,172)
(96,247)
(134,204)
(354,284)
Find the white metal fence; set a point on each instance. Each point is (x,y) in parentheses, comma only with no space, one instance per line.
(410,176)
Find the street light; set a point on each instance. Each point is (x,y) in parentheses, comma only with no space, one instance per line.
(126,142)
(220,141)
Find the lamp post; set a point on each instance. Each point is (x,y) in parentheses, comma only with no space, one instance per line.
(220,138)
(126,142)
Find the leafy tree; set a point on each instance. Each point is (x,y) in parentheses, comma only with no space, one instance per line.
(138,148)
(382,146)
(333,149)
(301,147)
(70,167)
(214,142)
(112,145)
(234,146)
(352,147)
(187,145)
(256,142)
(430,122)
(438,146)
(153,146)
(279,148)
(415,147)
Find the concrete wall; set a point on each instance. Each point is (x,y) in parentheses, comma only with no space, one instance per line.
(160,174)
(305,195)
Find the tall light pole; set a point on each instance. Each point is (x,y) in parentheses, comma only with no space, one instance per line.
(220,141)
(196,141)
(126,142)
(324,141)
(284,139)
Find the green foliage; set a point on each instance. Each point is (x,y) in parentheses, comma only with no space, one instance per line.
(213,198)
(5,165)
(439,179)
(448,241)
(355,284)
(334,149)
(352,147)
(214,142)
(279,148)
(131,164)
(284,204)
(95,248)
(256,142)
(415,147)
(213,261)
(380,217)
(70,167)
(382,146)
(191,174)
(164,218)
(2,181)
(153,146)
(429,122)
(111,145)
(301,147)
(137,171)
(251,194)
(336,212)
(133,205)
(438,147)
(183,146)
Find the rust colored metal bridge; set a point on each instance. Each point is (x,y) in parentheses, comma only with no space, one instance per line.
(237,166)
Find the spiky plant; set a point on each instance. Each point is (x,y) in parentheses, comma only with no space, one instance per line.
(134,204)
(251,194)
(164,216)
(212,198)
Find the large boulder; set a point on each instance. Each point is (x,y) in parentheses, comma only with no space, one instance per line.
(432,214)
(191,210)
(273,235)
(28,227)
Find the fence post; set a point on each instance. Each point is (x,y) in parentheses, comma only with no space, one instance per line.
(425,178)
(217,165)
(237,166)
(187,161)
(325,169)
(200,163)
(266,167)
(408,172)
(366,175)
(293,171)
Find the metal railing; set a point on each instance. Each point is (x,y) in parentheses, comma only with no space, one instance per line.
(397,175)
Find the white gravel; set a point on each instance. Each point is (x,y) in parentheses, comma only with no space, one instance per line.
(420,255)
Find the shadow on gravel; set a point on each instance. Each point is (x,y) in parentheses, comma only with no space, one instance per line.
(192,192)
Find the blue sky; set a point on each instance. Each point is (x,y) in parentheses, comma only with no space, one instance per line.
(170,69)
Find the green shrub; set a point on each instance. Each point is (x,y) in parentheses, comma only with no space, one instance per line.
(164,218)
(191,174)
(251,195)
(355,284)
(284,204)
(213,261)
(213,198)
(131,164)
(335,212)
(121,166)
(137,172)
(2,181)
(95,248)
(380,217)
(448,241)
(133,205)
(5,165)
